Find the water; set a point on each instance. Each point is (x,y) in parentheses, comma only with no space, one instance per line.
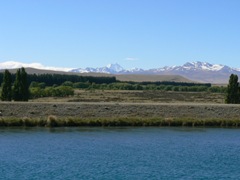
(119,153)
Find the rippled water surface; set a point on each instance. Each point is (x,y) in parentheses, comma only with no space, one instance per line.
(119,153)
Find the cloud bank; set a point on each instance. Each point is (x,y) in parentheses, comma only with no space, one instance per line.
(15,65)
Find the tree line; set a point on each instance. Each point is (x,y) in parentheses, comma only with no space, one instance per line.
(19,91)
(58,79)
(138,86)
(170,83)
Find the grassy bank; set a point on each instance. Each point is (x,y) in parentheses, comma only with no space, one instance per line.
(53,121)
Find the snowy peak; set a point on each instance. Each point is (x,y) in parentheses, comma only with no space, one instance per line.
(109,69)
(202,66)
(193,66)
(115,67)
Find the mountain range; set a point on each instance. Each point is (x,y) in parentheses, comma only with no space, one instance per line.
(195,71)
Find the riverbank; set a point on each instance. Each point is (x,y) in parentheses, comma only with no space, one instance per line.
(118,114)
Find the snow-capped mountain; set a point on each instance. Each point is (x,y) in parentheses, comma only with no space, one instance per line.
(109,69)
(115,67)
(197,71)
(189,66)
(192,66)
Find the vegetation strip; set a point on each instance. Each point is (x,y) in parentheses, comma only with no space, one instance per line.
(53,121)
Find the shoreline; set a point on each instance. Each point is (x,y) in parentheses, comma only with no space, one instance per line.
(59,114)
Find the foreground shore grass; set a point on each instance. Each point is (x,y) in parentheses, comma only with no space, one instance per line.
(53,121)
(67,114)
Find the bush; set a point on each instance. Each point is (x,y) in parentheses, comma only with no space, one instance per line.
(60,91)
(51,121)
(67,83)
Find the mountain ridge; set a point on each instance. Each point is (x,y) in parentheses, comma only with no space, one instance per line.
(197,71)
(197,65)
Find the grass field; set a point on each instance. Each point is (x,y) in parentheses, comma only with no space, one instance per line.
(139,97)
(123,108)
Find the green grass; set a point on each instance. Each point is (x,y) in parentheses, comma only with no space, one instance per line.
(53,121)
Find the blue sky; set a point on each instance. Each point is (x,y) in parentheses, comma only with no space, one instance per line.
(134,33)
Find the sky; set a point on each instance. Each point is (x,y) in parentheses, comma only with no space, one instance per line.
(133,33)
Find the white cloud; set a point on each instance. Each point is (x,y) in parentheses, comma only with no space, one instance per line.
(15,65)
(131,59)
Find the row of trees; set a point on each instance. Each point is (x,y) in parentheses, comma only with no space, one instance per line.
(138,86)
(169,83)
(19,91)
(58,79)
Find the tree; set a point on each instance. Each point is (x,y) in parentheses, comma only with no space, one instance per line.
(6,94)
(24,85)
(232,96)
(16,87)
(20,87)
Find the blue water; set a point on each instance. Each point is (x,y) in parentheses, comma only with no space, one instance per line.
(120,153)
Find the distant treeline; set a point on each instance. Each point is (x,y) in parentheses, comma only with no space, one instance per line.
(59,79)
(137,86)
(170,83)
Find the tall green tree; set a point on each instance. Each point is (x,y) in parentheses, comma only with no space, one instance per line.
(17,87)
(233,96)
(6,94)
(24,87)
(20,86)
